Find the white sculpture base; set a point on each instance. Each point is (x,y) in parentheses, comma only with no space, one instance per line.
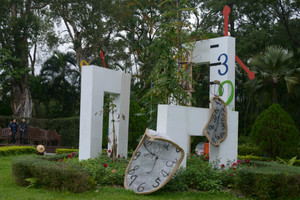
(180,122)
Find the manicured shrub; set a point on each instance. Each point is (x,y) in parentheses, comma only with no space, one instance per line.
(275,132)
(257,158)
(9,150)
(62,151)
(244,150)
(51,175)
(267,180)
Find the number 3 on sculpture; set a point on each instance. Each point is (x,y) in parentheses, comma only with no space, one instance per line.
(224,63)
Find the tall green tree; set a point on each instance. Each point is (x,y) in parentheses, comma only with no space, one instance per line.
(273,69)
(92,25)
(19,23)
(60,79)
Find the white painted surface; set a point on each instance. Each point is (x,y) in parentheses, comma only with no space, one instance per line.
(95,81)
(181,122)
(203,53)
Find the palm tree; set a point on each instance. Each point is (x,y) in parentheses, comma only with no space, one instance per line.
(274,68)
(61,76)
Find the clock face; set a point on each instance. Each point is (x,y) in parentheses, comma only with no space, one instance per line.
(153,164)
(216,128)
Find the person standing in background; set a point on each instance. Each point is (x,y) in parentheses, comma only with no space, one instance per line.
(23,129)
(13,128)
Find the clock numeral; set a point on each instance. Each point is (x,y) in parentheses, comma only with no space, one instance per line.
(137,155)
(132,177)
(130,172)
(147,143)
(164,173)
(157,181)
(167,146)
(171,163)
(140,187)
(223,63)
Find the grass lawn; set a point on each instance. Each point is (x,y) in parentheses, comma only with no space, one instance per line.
(9,190)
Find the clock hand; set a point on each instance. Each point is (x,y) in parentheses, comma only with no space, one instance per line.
(250,74)
(156,158)
(102,58)
(226,12)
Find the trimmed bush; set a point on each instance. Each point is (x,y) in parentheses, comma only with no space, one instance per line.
(244,150)
(269,181)
(61,151)
(275,132)
(9,150)
(256,158)
(51,175)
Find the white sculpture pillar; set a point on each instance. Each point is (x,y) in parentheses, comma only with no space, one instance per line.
(95,81)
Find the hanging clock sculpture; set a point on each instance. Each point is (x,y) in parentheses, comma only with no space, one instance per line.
(215,129)
(153,163)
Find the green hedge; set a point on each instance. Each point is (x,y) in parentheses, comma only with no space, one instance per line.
(61,151)
(269,181)
(51,175)
(244,150)
(9,150)
(258,158)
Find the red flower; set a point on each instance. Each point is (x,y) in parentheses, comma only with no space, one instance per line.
(223,166)
(69,155)
(233,168)
(113,171)
(234,164)
(247,161)
(105,165)
(239,162)
(123,157)
(109,151)
(232,174)
(73,153)
(60,160)
(119,156)
(207,157)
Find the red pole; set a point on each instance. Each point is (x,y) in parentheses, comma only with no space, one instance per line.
(102,58)
(226,12)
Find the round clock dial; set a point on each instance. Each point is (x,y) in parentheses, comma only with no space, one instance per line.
(153,164)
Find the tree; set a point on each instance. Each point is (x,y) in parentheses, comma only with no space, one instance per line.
(275,132)
(92,26)
(61,81)
(273,69)
(19,24)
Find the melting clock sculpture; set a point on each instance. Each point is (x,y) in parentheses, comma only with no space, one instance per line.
(153,163)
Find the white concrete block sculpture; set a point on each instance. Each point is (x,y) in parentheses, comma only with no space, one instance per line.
(95,82)
(181,122)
